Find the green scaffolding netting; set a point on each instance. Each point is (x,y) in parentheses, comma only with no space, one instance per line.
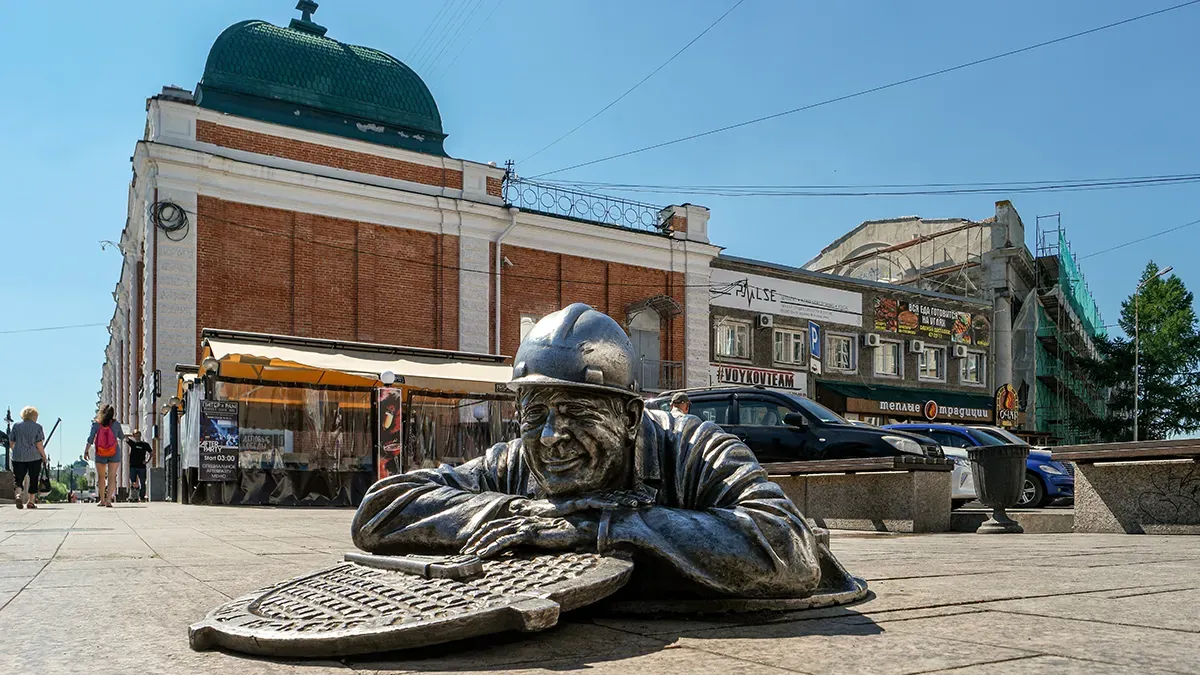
(1070,278)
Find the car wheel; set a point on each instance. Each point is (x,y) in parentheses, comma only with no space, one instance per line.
(1032,492)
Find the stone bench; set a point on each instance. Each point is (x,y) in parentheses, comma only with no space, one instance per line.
(1150,487)
(879,494)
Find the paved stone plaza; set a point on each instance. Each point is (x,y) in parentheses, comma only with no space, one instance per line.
(91,590)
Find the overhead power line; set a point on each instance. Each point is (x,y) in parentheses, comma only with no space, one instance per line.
(419,45)
(1140,239)
(436,58)
(873,90)
(50,328)
(639,83)
(471,39)
(888,190)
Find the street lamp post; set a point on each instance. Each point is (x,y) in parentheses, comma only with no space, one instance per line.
(1137,347)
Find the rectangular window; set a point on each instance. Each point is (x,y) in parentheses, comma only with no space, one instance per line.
(841,352)
(931,364)
(888,359)
(791,346)
(527,323)
(733,340)
(971,368)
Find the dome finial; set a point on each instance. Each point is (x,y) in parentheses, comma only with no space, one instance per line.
(305,23)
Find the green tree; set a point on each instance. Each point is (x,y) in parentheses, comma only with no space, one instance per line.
(1169,364)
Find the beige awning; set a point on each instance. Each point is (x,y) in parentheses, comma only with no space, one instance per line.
(319,362)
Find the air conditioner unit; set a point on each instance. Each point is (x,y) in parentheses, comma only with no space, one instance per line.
(916,346)
(765,321)
(870,339)
(960,351)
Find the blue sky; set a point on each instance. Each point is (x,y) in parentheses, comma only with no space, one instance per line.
(1118,103)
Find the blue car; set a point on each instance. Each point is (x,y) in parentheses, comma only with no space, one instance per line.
(1046,480)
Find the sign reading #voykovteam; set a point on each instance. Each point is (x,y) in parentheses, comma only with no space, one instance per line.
(723,373)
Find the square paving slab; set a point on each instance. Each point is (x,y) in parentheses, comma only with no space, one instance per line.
(113,591)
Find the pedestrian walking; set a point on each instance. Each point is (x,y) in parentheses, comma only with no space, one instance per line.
(139,452)
(105,435)
(28,454)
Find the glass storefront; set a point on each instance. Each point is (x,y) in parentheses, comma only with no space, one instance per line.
(297,446)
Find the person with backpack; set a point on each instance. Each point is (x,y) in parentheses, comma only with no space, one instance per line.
(28,454)
(105,435)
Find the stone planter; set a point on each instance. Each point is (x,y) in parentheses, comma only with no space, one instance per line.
(999,472)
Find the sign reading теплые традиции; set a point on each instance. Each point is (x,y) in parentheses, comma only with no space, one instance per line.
(219,440)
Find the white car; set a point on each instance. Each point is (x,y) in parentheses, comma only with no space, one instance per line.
(962,484)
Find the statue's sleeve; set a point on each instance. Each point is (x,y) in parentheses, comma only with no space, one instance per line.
(729,530)
(433,510)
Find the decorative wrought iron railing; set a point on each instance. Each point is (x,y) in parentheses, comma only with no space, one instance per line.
(555,200)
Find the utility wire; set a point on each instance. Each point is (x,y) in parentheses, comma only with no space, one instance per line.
(894,191)
(1140,240)
(474,35)
(873,90)
(453,38)
(50,328)
(427,33)
(640,83)
(435,47)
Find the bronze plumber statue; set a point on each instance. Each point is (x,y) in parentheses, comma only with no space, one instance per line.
(597,494)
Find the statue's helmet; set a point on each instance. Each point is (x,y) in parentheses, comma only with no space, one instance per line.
(578,347)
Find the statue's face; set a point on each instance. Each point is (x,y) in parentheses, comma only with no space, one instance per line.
(578,441)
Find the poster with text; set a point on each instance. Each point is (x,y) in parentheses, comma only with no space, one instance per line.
(391,431)
(219,440)
(893,315)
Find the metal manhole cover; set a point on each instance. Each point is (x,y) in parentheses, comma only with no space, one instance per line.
(352,608)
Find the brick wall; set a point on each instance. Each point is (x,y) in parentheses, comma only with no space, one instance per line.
(539,282)
(286,148)
(277,271)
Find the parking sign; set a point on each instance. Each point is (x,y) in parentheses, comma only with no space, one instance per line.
(814,340)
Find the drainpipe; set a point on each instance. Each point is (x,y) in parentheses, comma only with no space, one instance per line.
(512,222)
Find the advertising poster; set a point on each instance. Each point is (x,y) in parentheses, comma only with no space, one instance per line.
(219,440)
(391,431)
(893,315)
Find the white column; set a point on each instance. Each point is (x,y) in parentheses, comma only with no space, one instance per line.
(696,331)
(474,298)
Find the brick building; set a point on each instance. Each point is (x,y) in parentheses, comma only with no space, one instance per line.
(886,352)
(303,190)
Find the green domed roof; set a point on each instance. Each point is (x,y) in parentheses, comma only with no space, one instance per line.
(298,77)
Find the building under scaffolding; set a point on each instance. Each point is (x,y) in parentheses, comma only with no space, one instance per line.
(1045,319)
(1067,323)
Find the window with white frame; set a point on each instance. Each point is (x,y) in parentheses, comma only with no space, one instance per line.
(733,340)
(931,365)
(841,352)
(527,323)
(888,359)
(791,346)
(971,368)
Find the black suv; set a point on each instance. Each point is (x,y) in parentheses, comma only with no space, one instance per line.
(784,427)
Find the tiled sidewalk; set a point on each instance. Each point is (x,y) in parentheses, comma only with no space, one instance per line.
(91,590)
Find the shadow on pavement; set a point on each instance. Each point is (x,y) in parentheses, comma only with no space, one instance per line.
(584,639)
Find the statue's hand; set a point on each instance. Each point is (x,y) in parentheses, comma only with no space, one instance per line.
(555,534)
(559,507)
